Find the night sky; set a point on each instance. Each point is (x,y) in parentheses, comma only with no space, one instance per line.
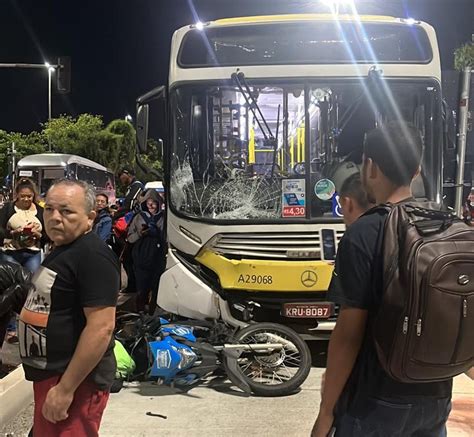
(120,49)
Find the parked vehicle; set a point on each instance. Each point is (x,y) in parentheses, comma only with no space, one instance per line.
(45,168)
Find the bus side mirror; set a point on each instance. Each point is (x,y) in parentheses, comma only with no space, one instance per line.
(142,128)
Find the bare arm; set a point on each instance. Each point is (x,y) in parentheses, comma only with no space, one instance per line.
(344,346)
(470,373)
(90,349)
(93,342)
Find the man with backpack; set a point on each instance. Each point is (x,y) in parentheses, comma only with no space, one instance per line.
(364,396)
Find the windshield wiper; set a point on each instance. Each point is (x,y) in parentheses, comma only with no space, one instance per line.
(241,82)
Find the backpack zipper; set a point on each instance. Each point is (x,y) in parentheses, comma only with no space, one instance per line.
(421,303)
(464,309)
(413,250)
(418,327)
(405,324)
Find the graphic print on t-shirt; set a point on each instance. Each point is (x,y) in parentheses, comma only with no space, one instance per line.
(34,319)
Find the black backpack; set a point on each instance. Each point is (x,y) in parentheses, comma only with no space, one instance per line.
(424,329)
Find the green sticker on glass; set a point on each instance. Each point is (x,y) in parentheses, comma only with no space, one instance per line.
(324,189)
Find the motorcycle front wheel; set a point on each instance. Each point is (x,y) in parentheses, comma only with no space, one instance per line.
(277,372)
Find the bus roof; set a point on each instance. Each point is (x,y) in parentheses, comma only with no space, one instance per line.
(57,160)
(180,72)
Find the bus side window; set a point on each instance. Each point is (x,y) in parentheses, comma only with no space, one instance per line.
(81,173)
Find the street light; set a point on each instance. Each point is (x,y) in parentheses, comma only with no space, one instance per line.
(50,73)
(410,21)
(129,118)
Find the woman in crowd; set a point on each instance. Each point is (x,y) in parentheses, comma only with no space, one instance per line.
(103,221)
(21,236)
(146,235)
(22,233)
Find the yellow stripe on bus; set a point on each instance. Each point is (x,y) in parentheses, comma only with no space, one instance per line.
(268,276)
(302,17)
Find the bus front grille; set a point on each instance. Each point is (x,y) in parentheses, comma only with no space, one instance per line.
(298,245)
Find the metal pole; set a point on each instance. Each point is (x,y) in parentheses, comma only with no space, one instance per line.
(41,66)
(462,134)
(50,71)
(13,166)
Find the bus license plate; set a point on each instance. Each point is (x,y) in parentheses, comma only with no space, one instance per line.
(308,310)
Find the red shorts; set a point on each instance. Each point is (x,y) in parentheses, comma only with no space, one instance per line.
(85,412)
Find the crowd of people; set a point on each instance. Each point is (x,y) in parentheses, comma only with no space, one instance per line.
(60,267)
(73,296)
(133,229)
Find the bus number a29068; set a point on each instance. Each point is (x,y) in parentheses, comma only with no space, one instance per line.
(255,279)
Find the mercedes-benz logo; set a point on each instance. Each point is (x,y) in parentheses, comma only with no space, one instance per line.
(309,278)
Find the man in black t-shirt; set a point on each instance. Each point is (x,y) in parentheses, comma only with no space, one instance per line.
(67,321)
(134,187)
(131,202)
(359,398)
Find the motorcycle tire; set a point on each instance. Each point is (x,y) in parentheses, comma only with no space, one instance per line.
(285,387)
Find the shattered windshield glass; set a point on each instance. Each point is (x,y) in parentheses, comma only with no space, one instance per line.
(266,152)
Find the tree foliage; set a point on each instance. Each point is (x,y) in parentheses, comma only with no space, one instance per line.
(112,146)
(153,161)
(86,136)
(126,134)
(25,145)
(464,57)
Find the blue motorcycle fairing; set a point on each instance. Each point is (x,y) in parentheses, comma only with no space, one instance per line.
(170,358)
(185,332)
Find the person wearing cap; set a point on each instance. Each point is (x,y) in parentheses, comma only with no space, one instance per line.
(352,195)
(127,178)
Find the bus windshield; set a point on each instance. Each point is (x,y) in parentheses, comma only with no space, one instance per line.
(265,151)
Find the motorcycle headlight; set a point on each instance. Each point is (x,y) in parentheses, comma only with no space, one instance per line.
(187,358)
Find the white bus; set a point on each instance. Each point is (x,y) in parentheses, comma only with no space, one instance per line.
(259,112)
(45,168)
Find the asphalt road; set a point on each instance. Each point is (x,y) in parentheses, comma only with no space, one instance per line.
(204,411)
(219,410)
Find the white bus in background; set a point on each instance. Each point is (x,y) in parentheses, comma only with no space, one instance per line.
(260,111)
(45,168)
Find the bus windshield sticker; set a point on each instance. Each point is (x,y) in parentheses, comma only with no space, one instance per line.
(293,198)
(336,206)
(324,189)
